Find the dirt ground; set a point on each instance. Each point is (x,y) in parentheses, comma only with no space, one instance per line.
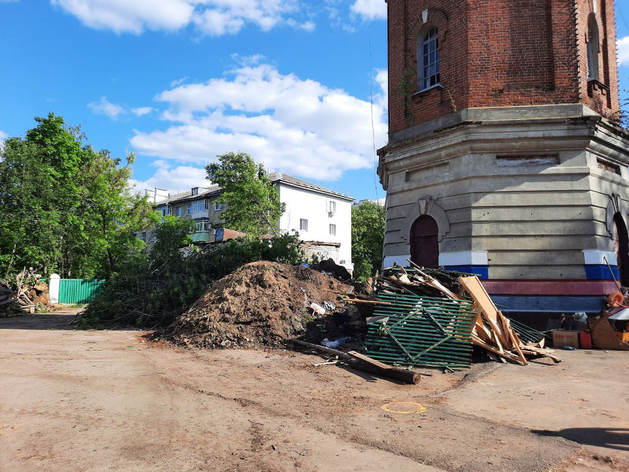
(110,400)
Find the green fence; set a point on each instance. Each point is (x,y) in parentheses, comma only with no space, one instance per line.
(78,290)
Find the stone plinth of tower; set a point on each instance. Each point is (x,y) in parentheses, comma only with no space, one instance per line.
(505,157)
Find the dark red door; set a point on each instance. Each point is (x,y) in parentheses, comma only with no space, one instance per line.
(621,246)
(425,242)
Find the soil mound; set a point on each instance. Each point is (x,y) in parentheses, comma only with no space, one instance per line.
(262,303)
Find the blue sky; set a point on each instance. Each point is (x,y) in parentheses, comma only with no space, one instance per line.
(180,81)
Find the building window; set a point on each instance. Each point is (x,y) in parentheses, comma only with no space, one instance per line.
(164,211)
(179,212)
(218,206)
(201,226)
(206,204)
(332,230)
(199,205)
(189,209)
(144,236)
(303,225)
(593,47)
(428,60)
(332,209)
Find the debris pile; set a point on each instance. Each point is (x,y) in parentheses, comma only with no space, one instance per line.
(261,304)
(493,332)
(26,293)
(429,317)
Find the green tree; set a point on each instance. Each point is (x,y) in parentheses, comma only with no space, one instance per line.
(252,201)
(367,238)
(65,207)
(111,215)
(29,223)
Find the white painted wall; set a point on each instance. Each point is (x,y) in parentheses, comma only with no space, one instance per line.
(313,206)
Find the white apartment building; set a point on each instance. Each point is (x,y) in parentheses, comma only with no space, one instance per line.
(322,217)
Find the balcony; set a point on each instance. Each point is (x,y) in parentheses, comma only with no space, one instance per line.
(202,237)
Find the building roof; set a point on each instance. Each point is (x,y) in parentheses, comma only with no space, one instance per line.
(295,182)
(275,177)
(188,196)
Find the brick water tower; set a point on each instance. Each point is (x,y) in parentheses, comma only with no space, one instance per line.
(505,157)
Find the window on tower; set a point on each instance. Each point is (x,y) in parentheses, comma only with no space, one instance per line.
(592,48)
(428,59)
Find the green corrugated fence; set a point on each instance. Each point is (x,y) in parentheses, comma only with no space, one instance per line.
(79,290)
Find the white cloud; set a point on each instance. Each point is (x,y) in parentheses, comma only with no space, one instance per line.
(370,9)
(252,60)
(623,51)
(105,107)
(113,110)
(309,26)
(122,16)
(178,179)
(292,125)
(141,111)
(212,17)
(3,136)
(382,79)
(174,83)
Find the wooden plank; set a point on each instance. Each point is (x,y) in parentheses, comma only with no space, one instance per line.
(475,289)
(478,293)
(507,355)
(515,341)
(366,364)
(534,351)
(369,302)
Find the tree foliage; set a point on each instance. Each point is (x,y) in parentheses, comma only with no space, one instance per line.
(367,238)
(65,207)
(154,290)
(252,201)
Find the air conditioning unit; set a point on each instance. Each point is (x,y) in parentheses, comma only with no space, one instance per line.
(332,209)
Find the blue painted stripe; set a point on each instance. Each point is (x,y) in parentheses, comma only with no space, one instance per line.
(481,271)
(600,272)
(548,304)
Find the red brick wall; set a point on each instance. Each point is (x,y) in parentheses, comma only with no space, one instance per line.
(605,100)
(500,53)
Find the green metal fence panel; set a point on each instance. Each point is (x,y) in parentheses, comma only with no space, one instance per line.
(422,331)
(79,290)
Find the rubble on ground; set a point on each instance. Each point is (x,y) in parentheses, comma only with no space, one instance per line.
(25,293)
(261,304)
(330,267)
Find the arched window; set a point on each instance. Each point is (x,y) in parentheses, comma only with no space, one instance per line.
(428,59)
(593,47)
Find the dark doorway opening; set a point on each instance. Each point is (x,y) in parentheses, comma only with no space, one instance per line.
(621,248)
(425,242)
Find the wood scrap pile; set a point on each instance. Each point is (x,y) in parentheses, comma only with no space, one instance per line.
(414,281)
(25,292)
(493,331)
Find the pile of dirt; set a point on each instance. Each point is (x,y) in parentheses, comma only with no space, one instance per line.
(262,303)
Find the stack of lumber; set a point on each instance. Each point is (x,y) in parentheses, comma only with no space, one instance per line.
(493,331)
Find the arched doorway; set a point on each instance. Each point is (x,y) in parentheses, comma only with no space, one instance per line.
(425,242)
(621,248)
